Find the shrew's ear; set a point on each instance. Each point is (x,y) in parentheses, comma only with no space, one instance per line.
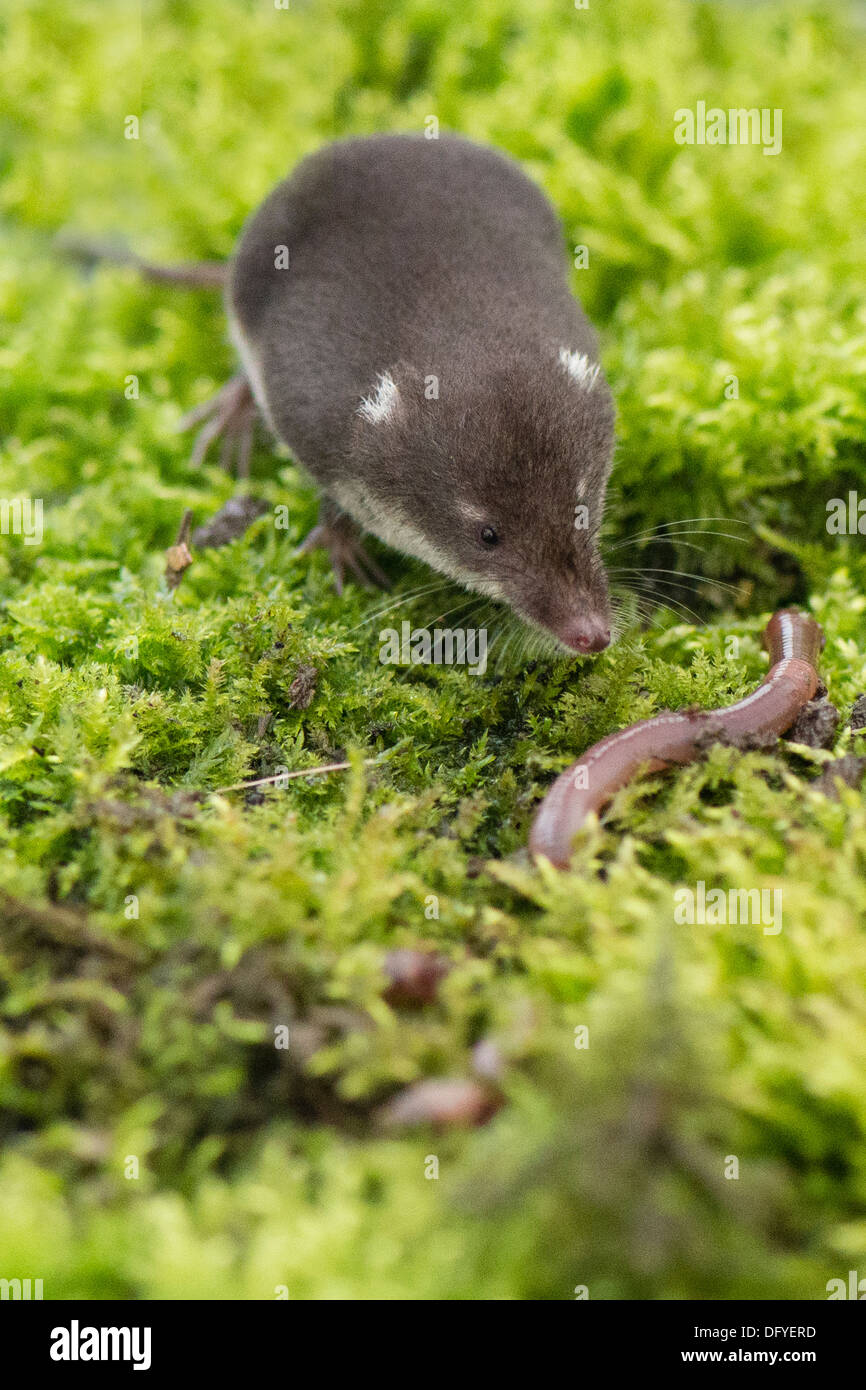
(383,402)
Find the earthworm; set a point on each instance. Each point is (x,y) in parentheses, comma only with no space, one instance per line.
(793,641)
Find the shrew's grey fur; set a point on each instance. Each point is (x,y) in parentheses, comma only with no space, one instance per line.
(422,355)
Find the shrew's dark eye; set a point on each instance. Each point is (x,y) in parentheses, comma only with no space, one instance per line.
(489,537)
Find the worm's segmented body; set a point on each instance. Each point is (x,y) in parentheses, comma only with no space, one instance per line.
(793,641)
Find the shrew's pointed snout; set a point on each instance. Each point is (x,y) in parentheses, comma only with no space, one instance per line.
(588,633)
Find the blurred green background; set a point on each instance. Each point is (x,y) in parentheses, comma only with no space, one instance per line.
(150,1037)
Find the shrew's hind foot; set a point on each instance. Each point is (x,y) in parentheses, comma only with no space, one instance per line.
(230,415)
(338,534)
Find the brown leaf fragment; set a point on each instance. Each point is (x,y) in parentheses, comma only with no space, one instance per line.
(303,687)
(414,977)
(230,523)
(446,1103)
(848,769)
(858,714)
(815,725)
(747,741)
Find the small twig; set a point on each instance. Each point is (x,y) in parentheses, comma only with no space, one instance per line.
(185,528)
(285,776)
(178,557)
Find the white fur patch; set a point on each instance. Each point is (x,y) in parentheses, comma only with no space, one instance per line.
(579,368)
(381,403)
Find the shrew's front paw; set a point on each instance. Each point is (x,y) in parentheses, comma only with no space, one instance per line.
(338,534)
(231,415)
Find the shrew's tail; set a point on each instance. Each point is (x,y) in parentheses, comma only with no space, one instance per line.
(89,253)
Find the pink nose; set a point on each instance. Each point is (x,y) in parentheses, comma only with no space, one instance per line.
(587,634)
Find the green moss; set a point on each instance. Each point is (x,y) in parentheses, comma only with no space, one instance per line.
(158,929)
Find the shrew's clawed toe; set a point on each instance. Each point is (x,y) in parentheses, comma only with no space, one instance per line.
(230,415)
(339,536)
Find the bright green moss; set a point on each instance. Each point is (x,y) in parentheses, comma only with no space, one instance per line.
(171,927)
